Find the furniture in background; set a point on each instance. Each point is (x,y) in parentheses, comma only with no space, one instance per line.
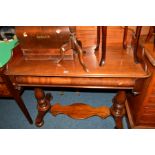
(150,34)
(8,89)
(118,71)
(141,108)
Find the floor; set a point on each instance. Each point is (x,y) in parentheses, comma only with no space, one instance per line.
(12,118)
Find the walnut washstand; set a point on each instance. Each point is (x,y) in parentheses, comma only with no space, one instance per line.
(119,72)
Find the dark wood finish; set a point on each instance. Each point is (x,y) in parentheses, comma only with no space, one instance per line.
(125,37)
(141,108)
(43,105)
(98,38)
(125,41)
(49,43)
(80,110)
(38,37)
(136,43)
(15,94)
(104,41)
(78,48)
(150,34)
(154,38)
(118,108)
(4,92)
(119,72)
(116,56)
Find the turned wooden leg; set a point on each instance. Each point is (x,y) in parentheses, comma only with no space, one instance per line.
(43,105)
(118,108)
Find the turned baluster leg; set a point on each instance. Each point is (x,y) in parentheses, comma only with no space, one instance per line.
(43,105)
(98,38)
(118,108)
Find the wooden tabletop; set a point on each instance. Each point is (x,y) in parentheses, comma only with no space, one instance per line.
(119,63)
(119,70)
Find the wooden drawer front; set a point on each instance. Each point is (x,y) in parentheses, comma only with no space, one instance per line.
(149,104)
(153,92)
(149,110)
(148,115)
(147,120)
(149,107)
(4,92)
(151,101)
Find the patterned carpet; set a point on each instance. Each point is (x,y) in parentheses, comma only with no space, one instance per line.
(12,117)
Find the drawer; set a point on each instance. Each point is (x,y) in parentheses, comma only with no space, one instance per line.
(150,110)
(147,119)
